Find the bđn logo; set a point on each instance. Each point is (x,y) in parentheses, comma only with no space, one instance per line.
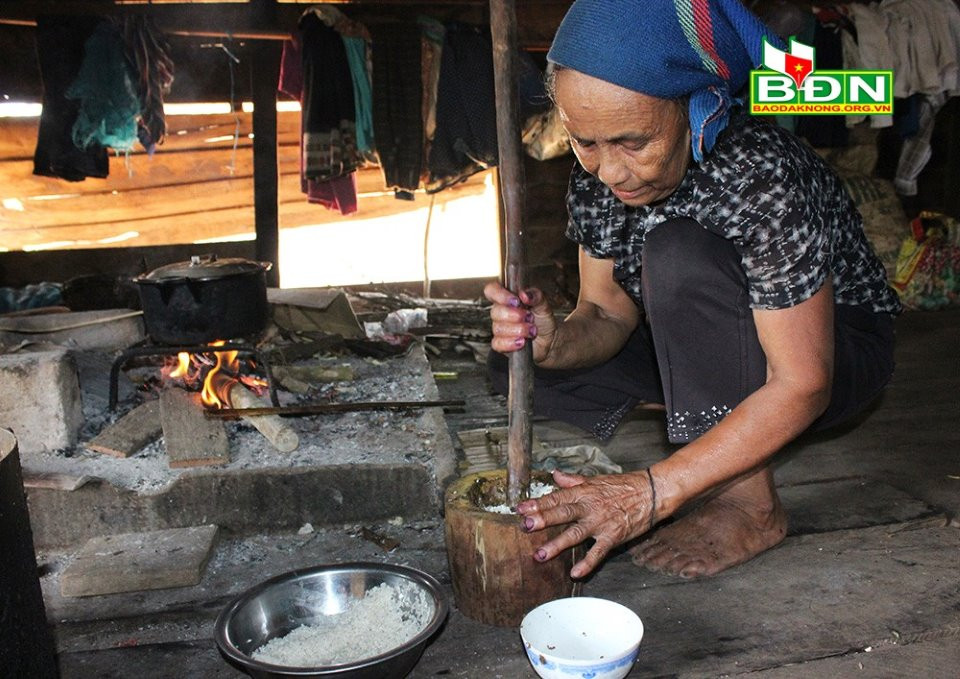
(789,84)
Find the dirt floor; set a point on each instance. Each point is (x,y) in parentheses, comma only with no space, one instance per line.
(865,584)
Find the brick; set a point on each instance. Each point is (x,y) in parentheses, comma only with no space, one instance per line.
(40,399)
(133,562)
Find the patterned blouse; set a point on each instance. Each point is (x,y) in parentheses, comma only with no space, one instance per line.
(772,196)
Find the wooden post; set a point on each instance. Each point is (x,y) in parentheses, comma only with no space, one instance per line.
(266,179)
(503,27)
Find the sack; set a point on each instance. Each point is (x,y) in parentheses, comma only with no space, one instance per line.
(884,221)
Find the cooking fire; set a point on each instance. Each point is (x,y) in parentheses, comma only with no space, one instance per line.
(216,372)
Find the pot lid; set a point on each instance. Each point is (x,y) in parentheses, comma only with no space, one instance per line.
(206,267)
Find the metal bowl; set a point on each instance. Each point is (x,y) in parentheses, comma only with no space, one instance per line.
(302,597)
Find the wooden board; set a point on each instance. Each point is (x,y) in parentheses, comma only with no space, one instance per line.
(189,213)
(18,136)
(55,481)
(131,432)
(190,439)
(133,562)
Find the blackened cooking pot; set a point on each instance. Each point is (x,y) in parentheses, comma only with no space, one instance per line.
(204,300)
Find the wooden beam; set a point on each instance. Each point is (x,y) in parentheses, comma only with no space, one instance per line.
(266,67)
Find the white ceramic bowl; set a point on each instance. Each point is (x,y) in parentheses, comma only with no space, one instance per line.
(581,637)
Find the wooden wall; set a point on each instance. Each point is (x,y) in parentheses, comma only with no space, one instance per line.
(195,187)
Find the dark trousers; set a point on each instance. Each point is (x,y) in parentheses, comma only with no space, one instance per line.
(698,351)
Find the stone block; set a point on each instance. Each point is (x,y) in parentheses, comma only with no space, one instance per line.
(40,399)
(133,562)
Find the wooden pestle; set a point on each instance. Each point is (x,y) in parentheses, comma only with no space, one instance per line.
(503,28)
(273,428)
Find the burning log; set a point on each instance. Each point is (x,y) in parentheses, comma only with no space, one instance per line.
(275,430)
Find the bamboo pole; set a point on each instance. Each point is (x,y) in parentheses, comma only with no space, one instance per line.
(503,27)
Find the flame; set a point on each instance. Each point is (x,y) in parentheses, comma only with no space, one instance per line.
(217,384)
(183,366)
(222,373)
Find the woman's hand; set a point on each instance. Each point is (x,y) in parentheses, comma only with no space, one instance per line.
(611,509)
(520,318)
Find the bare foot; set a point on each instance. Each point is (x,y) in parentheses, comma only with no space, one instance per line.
(730,528)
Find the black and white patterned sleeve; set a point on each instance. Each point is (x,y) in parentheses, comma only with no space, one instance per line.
(784,233)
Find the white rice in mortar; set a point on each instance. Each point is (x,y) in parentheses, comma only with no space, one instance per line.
(385,618)
(537,489)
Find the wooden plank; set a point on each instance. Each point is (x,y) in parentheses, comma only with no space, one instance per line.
(177,199)
(18,136)
(211,224)
(134,562)
(141,171)
(812,597)
(55,481)
(131,432)
(938,656)
(190,439)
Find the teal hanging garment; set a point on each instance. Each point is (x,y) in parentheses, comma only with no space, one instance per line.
(105,88)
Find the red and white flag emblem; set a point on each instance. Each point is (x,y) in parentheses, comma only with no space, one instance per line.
(796,64)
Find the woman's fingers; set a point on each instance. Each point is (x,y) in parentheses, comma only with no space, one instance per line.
(514,322)
(609,509)
(498,294)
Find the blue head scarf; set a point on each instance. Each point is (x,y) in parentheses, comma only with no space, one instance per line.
(668,49)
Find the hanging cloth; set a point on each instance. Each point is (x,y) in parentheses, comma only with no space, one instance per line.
(60,42)
(329,114)
(397,102)
(466,137)
(339,193)
(109,106)
(148,54)
(356,41)
(431,45)
(362,94)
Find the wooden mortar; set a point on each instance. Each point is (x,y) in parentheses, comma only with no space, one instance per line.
(495,578)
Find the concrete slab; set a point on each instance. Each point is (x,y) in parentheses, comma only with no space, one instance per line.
(135,562)
(348,467)
(40,399)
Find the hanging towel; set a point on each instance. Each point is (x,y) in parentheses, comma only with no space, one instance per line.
(109,106)
(397,102)
(60,42)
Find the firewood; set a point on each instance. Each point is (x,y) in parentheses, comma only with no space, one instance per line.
(130,433)
(274,429)
(190,439)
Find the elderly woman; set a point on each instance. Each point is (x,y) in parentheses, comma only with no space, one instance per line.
(724,273)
